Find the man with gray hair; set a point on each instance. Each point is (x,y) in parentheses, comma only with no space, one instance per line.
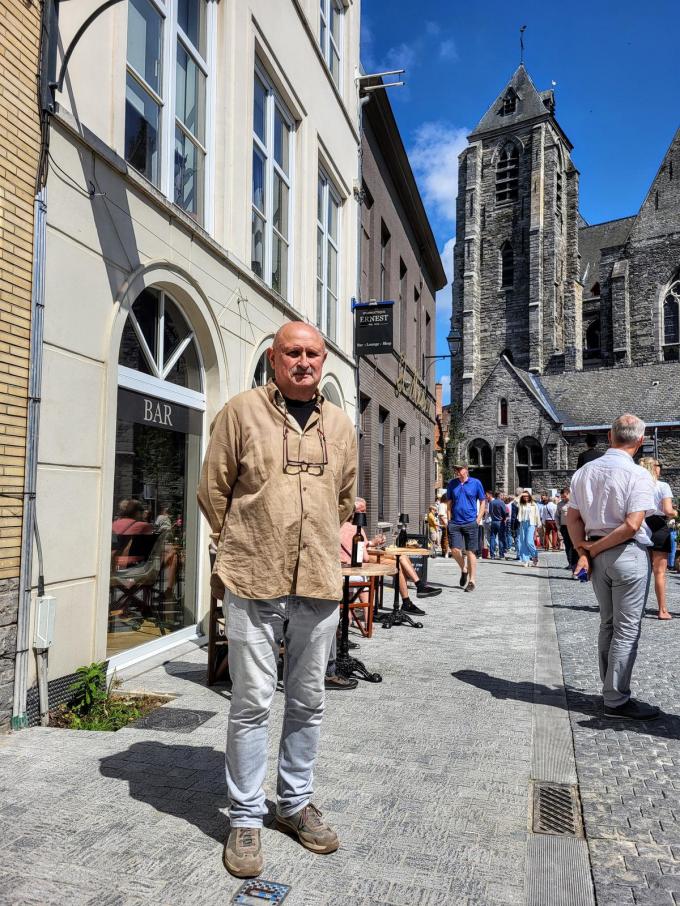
(610,498)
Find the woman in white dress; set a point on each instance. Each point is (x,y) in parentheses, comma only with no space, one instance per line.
(660,531)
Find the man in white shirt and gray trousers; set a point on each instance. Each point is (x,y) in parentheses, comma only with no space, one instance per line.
(610,498)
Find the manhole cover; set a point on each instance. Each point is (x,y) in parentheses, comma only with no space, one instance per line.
(173,720)
(556,810)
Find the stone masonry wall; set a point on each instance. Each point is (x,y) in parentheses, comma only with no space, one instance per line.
(526,418)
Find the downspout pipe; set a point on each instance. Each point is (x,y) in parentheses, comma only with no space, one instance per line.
(19,714)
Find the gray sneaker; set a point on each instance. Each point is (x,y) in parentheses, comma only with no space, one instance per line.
(243,853)
(310,829)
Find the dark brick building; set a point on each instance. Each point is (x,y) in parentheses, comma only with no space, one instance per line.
(564,325)
(399,262)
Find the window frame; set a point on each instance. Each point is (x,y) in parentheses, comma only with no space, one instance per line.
(670,350)
(326,41)
(503,410)
(273,102)
(506,183)
(328,192)
(173,36)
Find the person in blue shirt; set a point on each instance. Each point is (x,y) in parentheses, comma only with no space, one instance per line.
(497,535)
(467,505)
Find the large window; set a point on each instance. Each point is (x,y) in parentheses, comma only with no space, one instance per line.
(507,173)
(166,99)
(382,453)
(271,195)
(507,266)
(154,531)
(327,256)
(330,36)
(671,323)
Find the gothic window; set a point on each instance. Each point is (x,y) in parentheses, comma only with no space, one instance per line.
(507,266)
(558,190)
(509,103)
(479,461)
(592,343)
(671,323)
(507,174)
(529,456)
(503,412)
(595,289)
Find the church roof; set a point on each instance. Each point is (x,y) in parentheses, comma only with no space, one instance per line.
(530,104)
(596,397)
(591,241)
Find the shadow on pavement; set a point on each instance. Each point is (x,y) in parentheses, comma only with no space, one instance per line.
(184,781)
(667,726)
(197,673)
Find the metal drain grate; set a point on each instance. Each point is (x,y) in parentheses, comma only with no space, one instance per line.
(556,810)
(173,720)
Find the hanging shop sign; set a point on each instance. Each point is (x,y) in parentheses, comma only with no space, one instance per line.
(410,386)
(374,324)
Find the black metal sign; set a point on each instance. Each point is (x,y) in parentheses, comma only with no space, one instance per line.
(374,327)
(148,410)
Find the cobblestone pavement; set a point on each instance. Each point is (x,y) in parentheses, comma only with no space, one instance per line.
(425,777)
(629,774)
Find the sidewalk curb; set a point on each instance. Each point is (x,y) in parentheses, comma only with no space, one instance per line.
(558,870)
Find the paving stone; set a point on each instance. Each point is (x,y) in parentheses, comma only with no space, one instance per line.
(425,776)
(634,770)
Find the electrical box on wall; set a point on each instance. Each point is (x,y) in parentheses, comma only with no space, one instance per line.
(44,622)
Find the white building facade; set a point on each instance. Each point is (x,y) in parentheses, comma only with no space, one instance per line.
(203,159)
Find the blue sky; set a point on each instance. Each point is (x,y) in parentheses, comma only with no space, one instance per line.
(615,62)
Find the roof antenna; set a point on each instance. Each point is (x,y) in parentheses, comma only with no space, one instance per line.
(523,28)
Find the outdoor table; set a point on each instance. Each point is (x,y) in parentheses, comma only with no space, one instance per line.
(346,665)
(397,617)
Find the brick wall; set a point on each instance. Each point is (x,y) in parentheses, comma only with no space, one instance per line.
(19,147)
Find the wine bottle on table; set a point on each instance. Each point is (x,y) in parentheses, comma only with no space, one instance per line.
(358,548)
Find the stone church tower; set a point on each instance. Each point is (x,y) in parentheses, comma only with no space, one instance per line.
(516,284)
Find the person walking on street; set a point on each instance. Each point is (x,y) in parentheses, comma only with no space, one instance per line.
(443,517)
(528,518)
(498,512)
(561,516)
(660,531)
(610,498)
(278,480)
(552,539)
(467,504)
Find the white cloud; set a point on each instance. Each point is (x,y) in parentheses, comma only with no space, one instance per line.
(434,158)
(448,50)
(447,257)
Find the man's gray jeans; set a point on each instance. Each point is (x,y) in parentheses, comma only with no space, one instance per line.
(621,584)
(254,628)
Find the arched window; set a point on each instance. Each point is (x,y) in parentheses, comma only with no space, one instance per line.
(263,371)
(507,266)
(507,173)
(529,457)
(503,412)
(509,103)
(671,322)
(479,461)
(155,525)
(330,392)
(592,339)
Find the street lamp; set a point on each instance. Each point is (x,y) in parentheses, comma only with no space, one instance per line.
(454,341)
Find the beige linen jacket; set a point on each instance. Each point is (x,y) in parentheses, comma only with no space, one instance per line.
(277,531)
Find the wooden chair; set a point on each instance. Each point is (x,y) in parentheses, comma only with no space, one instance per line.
(365,626)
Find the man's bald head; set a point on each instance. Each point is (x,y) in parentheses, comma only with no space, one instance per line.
(297,355)
(295,330)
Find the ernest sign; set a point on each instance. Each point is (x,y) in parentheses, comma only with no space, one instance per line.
(373,328)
